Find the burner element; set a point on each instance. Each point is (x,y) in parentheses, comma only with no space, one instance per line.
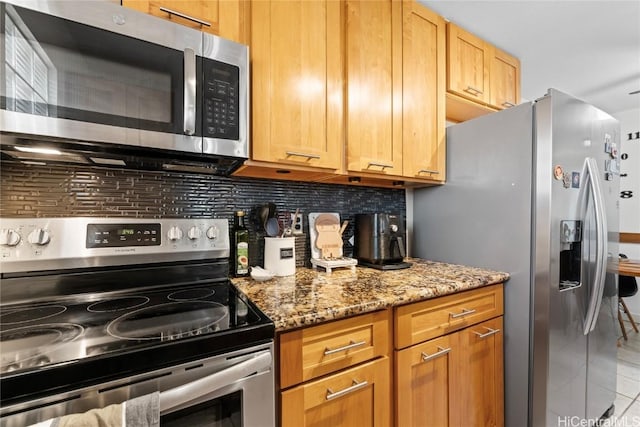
(171,321)
(191,294)
(117,304)
(31,314)
(26,346)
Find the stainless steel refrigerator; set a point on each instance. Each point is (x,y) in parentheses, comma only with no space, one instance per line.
(533,191)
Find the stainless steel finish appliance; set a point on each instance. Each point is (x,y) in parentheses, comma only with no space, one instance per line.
(80,76)
(97,311)
(380,240)
(533,191)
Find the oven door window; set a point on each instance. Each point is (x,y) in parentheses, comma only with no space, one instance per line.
(58,68)
(224,411)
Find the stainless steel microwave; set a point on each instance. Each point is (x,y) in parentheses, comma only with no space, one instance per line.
(97,72)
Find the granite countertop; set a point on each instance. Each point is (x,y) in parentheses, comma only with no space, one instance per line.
(313,296)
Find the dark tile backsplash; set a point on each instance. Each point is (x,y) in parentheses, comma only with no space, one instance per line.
(58,191)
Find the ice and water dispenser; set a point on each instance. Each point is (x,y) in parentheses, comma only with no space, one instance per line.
(570,254)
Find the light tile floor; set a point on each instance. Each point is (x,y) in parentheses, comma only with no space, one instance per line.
(627,402)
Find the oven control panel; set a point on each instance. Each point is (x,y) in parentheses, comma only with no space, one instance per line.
(34,244)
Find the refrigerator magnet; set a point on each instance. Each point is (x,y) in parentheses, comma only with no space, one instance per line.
(575,179)
(558,173)
(566,180)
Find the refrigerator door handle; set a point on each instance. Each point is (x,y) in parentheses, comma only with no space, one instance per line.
(597,288)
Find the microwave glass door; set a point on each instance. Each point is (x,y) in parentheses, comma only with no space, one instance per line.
(62,69)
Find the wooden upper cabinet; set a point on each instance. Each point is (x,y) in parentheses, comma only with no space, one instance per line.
(374,86)
(226,18)
(468,65)
(480,77)
(297,83)
(423,101)
(505,79)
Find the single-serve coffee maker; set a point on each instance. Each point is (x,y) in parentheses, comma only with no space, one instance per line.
(380,241)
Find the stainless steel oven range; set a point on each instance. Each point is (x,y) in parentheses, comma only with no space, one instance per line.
(96,311)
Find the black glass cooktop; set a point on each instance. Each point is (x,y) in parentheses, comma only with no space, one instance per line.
(97,336)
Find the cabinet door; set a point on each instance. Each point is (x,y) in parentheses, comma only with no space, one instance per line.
(374,86)
(423,92)
(505,79)
(356,397)
(468,65)
(297,83)
(423,374)
(224,18)
(479,384)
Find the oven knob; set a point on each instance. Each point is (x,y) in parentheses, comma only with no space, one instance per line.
(212,232)
(194,233)
(394,228)
(174,234)
(9,237)
(39,236)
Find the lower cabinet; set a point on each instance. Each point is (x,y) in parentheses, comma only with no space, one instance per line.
(356,397)
(448,363)
(445,368)
(454,380)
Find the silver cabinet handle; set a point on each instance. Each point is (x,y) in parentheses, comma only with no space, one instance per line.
(352,344)
(441,352)
(298,154)
(487,334)
(429,171)
(380,165)
(182,15)
(189,105)
(507,104)
(465,312)
(473,91)
(356,385)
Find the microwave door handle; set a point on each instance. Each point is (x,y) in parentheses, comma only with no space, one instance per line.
(189,105)
(176,397)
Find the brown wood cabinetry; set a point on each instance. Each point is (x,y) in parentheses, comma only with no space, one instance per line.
(297,83)
(423,101)
(337,373)
(505,79)
(374,86)
(348,92)
(480,77)
(226,18)
(449,360)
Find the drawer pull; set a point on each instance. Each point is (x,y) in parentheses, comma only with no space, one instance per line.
(441,352)
(465,312)
(507,104)
(486,334)
(182,15)
(473,91)
(297,154)
(352,344)
(356,385)
(431,172)
(380,165)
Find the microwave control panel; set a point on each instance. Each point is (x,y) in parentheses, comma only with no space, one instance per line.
(221,100)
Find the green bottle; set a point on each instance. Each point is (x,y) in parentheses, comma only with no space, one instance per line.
(240,246)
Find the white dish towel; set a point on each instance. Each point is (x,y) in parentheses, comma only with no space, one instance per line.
(143,411)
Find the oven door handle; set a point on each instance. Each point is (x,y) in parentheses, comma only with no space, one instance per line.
(175,397)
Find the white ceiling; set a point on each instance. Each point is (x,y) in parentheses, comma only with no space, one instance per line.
(586,48)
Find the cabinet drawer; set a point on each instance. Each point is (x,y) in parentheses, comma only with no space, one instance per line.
(318,350)
(425,320)
(358,396)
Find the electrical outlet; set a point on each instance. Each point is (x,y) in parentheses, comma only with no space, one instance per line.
(297,227)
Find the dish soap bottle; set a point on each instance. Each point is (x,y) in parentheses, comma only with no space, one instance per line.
(240,246)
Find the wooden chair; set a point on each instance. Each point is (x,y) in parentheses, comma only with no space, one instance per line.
(627,287)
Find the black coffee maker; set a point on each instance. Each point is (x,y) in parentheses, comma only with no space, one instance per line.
(380,241)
